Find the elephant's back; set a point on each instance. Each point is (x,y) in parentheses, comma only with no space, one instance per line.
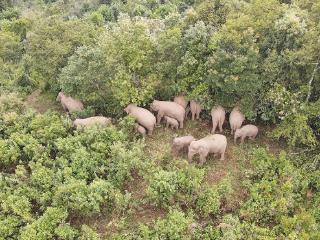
(218,111)
(173,108)
(144,116)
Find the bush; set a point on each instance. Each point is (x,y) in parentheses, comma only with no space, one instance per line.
(170,186)
(296,130)
(175,226)
(208,202)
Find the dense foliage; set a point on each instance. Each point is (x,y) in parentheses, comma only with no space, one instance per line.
(261,54)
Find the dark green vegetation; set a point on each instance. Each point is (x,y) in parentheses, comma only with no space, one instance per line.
(58,183)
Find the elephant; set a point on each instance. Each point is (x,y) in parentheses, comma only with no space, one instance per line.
(90,121)
(236,119)
(180,143)
(171,122)
(249,130)
(143,116)
(218,115)
(181,100)
(195,109)
(69,104)
(170,109)
(140,130)
(215,143)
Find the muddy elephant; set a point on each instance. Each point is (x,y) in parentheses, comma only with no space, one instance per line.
(90,121)
(69,104)
(170,109)
(181,143)
(236,119)
(215,144)
(218,115)
(249,131)
(143,116)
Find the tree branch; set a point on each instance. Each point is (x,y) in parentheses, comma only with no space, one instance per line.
(311,80)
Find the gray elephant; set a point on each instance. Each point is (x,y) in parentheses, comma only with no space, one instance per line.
(170,109)
(173,123)
(69,104)
(236,119)
(215,143)
(181,100)
(249,130)
(90,121)
(180,143)
(195,109)
(143,116)
(218,115)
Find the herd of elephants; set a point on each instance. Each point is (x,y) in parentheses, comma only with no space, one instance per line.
(174,112)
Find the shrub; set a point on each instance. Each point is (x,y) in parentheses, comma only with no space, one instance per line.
(296,130)
(208,202)
(180,185)
(163,187)
(174,226)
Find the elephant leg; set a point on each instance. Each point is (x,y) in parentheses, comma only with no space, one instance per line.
(150,132)
(220,126)
(203,158)
(242,140)
(214,126)
(159,117)
(193,115)
(222,156)
(198,115)
(203,155)
(64,108)
(181,123)
(187,112)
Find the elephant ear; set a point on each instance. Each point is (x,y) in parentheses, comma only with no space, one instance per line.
(202,149)
(195,145)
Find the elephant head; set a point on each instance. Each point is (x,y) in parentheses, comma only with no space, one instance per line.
(129,107)
(154,106)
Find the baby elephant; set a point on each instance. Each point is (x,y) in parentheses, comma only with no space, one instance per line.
(86,122)
(195,109)
(180,143)
(140,130)
(249,130)
(69,104)
(236,119)
(170,109)
(218,116)
(215,143)
(171,122)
